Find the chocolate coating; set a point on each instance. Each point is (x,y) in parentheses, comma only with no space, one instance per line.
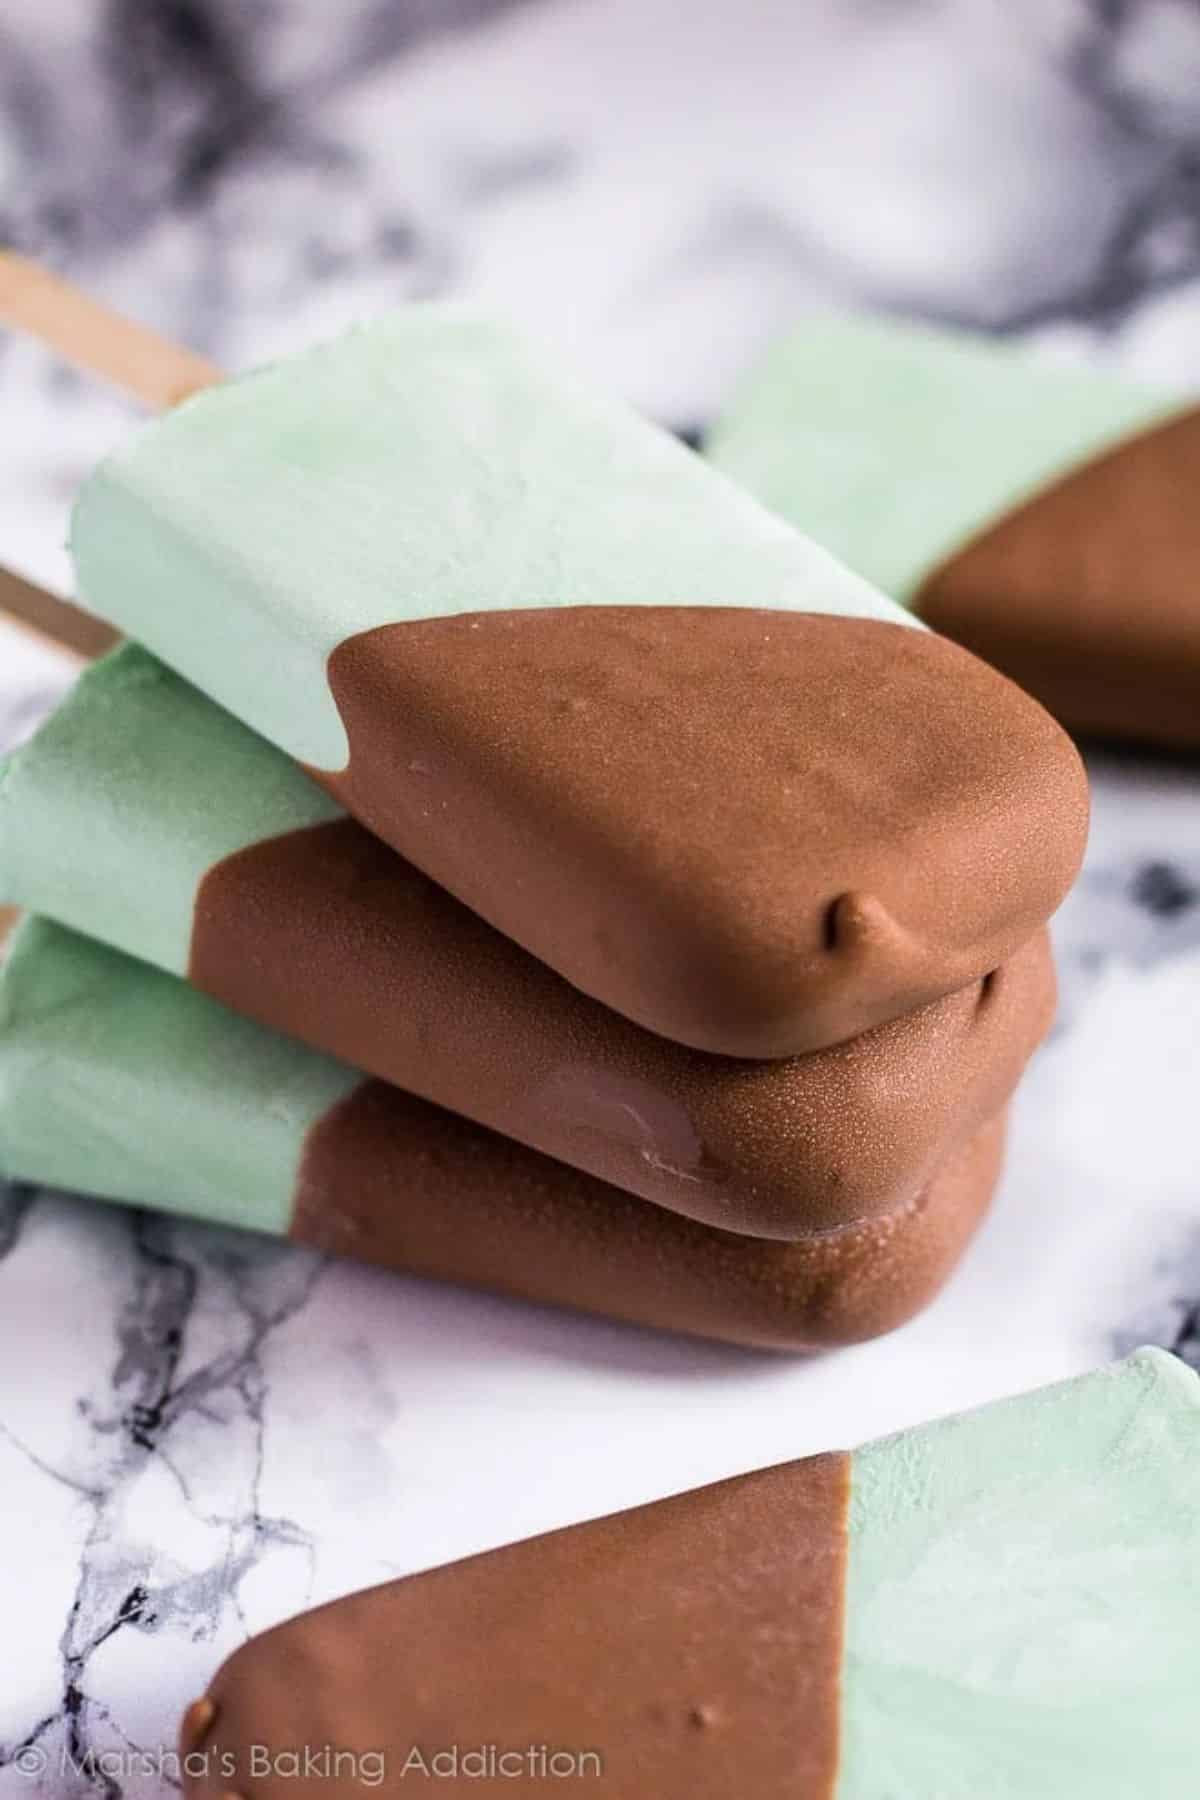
(693,1645)
(1086,594)
(756,833)
(394,1181)
(403,981)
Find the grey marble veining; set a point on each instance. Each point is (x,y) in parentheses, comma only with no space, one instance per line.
(201,1432)
(660,198)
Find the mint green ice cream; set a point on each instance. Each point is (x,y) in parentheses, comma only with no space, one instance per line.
(892,444)
(120,1081)
(429,464)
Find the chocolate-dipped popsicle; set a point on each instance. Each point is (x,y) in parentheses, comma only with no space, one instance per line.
(120,1081)
(1044,517)
(588,686)
(146,816)
(998,1606)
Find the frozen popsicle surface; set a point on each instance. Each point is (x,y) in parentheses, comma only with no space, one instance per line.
(146,816)
(121,1081)
(1040,515)
(610,702)
(998,1605)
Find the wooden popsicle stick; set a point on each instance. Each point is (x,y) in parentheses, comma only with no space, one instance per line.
(9,916)
(55,621)
(89,335)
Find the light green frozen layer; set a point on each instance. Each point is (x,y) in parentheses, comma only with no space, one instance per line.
(1023,1598)
(159,785)
(894,444)
(430,464)
(120,1081)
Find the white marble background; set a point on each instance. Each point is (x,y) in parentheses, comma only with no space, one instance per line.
(202,1433)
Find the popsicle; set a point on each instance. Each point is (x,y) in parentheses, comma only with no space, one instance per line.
(997,1606)
(144,815)
(121,1081)
(607,700)
(1042,516)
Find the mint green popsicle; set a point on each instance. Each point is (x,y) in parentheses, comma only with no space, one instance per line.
(998,1606)
(1042,516)
(894,443)
(120,1081)
(587,684)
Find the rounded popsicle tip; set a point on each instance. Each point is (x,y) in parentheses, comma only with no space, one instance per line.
(914,859)
(847,1287)
(847,1135)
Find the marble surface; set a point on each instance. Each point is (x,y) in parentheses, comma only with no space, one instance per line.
(202,1433)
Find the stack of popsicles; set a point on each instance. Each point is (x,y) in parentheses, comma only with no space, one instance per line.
(518,857)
